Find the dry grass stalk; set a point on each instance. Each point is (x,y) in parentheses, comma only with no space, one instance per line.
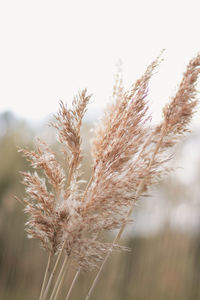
(55,213)
(155,151)
(129,156)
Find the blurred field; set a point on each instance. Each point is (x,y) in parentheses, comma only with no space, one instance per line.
(162,264)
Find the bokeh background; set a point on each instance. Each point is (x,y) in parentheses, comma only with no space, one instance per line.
(50,50)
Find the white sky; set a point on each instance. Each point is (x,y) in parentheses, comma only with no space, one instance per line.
(51,49)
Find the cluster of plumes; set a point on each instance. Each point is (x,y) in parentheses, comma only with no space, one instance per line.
(129,156)
(54,202)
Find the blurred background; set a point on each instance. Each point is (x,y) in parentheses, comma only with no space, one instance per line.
(50,50)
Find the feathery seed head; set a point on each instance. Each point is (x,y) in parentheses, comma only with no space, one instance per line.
(129,156)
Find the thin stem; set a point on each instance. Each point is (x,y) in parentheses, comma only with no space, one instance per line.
(73,283)
(71,169)
(79,270)
(45,277)
(118,236)
(61,251)
(59,277)
(53,272)
(87,187)
(61,281)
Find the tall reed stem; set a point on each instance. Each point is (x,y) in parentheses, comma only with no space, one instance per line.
(53,272)
(62,250)
(61,281)
(79,270)
(73,283)
(58,278)
(45,277)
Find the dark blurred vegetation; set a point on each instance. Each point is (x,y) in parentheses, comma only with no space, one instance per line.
(165,265)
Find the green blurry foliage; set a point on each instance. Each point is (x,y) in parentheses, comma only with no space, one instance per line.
(12,133)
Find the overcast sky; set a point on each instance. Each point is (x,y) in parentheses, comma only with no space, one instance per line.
(51,49)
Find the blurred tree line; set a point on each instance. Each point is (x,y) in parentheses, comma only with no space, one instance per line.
(165,265)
